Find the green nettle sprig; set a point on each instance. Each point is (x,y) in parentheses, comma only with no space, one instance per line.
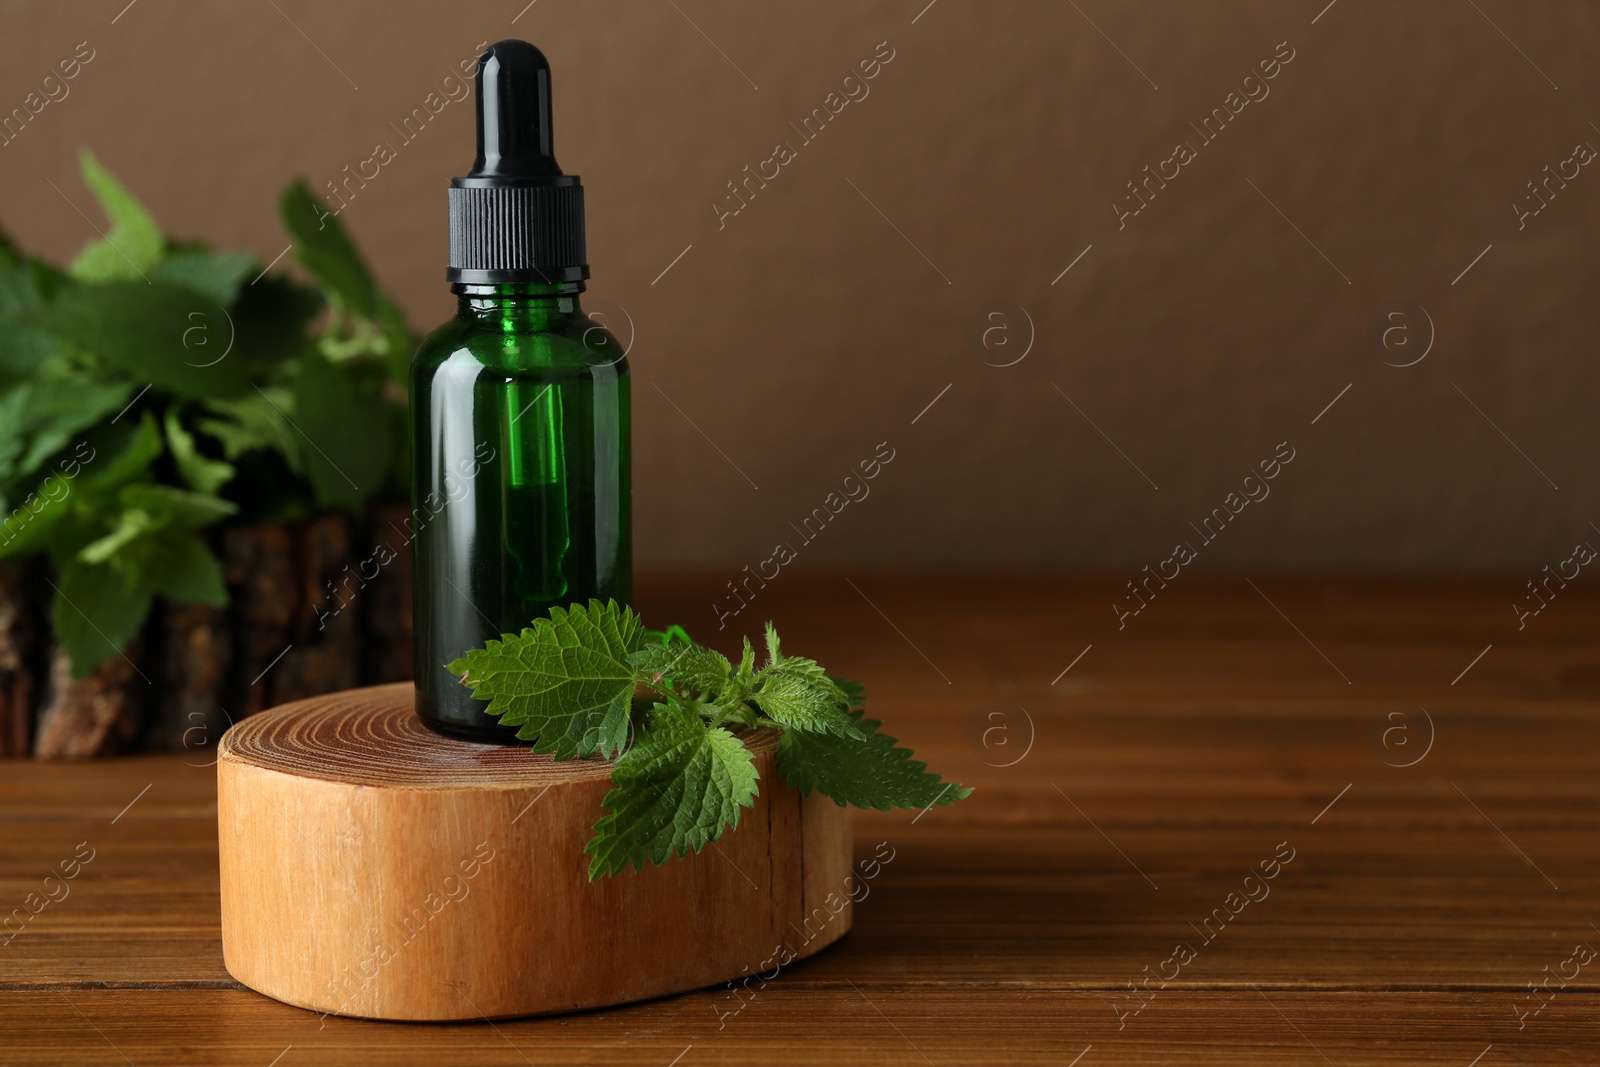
(154,388)
(673,715)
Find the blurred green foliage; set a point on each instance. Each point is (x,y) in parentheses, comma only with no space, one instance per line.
(154,388)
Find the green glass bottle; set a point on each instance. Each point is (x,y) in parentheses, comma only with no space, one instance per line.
(519,408)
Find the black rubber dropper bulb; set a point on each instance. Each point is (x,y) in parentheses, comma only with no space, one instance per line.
(515,218)
(514,114)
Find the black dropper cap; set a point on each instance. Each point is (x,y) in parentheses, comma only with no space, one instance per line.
(515,218)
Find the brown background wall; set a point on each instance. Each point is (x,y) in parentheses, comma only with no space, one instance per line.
(808,330)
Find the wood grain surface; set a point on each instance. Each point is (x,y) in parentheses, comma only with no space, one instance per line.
(372,868)
(1119,806)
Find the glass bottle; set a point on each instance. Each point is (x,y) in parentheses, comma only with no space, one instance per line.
(520,481)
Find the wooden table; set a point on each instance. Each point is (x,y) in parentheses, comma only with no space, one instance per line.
(1128,782)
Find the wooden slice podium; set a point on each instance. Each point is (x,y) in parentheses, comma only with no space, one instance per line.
(373,868)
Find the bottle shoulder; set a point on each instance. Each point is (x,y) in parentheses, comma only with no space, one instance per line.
(577,345)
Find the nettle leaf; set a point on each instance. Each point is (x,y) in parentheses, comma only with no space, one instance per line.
(690,667)
(41,415)
(803,704)
(65,514)
(128,454)
(270,321)
(10,254)
(130,525)
(704,670)
(30,525)
(105,594)
(348,431)
(672,635)
(19,291)
(148,508)
(133,244)
(324,249)
(23,348)
(217,276)
(258,421)
(655,659)
(745,674)
(867,773)
(177,565)
(88,508)
(201,472)
(812,672)
(680,786)
(566,681)
(97,611)
(153,332)
(168,503)
(855,694)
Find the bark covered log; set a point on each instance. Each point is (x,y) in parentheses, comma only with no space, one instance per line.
(196,651)
(325,636)
(386,649)
(95,715)
(314,606)
(21,626)
(259,571)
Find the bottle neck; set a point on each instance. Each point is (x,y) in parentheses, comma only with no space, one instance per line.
(519,308)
